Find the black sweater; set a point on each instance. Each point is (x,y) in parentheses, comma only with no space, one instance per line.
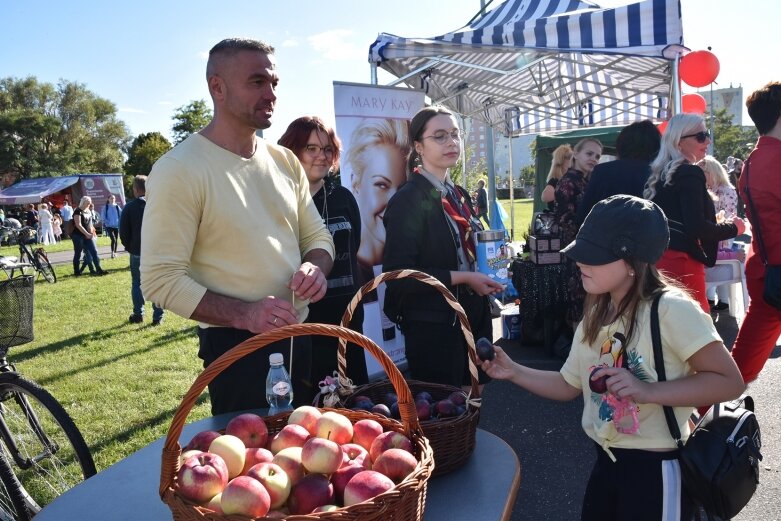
(418,236)
(691,215)
(130,225)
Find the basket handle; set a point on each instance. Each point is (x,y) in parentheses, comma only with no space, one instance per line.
(341,358)
(172,450)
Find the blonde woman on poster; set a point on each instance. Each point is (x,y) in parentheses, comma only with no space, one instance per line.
(377,158)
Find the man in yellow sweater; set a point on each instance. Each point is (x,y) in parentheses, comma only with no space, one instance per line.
(231,237)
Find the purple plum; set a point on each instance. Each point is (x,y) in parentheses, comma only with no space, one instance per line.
(457,397)
(485,349)
(599,385)
(383,409)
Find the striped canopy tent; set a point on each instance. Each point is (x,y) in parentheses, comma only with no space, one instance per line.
(559,64)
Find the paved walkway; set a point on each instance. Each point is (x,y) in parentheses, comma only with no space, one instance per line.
(66,257)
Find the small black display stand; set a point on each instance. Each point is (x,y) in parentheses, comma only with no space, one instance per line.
(542,289)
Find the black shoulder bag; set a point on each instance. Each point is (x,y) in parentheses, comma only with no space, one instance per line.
(772,292)
(720,460)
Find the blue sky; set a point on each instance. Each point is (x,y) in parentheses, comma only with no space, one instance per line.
(149,57)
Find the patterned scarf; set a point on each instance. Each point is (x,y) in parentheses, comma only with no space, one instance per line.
(457,208)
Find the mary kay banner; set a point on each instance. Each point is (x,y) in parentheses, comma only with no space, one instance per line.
(373,124)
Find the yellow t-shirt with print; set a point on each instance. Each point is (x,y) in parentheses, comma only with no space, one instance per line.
(685,329)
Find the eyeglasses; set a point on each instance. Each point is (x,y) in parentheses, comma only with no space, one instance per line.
(315,150)
(701,136)
(443,136)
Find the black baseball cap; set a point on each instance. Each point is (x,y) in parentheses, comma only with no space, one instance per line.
(620,227)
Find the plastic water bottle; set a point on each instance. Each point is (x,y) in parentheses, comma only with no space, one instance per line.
(279,389)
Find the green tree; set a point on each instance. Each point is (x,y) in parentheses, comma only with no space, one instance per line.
(145,150)
(189,119)
(473,174)
(729,139)
(48,130)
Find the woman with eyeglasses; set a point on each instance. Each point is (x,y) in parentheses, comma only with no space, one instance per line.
(430,226)
(678,186)
(318,148)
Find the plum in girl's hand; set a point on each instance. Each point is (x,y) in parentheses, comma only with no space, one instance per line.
(599,385)
(485,349)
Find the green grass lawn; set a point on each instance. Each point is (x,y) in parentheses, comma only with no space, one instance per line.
(523,216)
(120,382)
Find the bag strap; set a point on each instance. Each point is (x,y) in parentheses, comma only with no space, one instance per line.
(656,341)
(755,215)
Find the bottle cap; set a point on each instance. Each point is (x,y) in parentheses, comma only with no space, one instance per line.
(276,358)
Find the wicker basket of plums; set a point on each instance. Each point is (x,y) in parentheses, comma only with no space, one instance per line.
(448,415)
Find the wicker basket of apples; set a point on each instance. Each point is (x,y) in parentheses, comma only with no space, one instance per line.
(308,464)
(447,415)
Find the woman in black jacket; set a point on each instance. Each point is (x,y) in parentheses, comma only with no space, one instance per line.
(318,148)
(430,226)
(677,185)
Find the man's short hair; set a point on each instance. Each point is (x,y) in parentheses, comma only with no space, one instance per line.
(232,46)
(764,107)
(139,184)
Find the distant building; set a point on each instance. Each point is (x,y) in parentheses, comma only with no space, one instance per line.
(729,98)
(476,142)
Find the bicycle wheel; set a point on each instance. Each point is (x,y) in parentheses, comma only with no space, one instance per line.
(12,498)
(44,266)
(40,441)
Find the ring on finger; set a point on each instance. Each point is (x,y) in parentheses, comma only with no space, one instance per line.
(274,321)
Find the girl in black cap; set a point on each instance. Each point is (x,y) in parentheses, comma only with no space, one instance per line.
(636,475)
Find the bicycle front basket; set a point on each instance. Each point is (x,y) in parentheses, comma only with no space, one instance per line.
(16,319)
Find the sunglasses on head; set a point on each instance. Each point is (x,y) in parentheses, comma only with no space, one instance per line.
(701,136)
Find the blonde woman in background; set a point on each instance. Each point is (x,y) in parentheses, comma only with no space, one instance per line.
(45,221)
(725,202)
(560,163)
(377,157)
(677,185)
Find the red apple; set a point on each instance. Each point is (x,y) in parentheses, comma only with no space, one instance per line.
(275,480)
(201,441)
(366,485)
(186,454)
(232,450)
(397,464)
(254,456)
(321,456)
(249,428)
(201,477)
(354,453)
(335,427)
(245,496)
(389,440)
(290,436)
(290,461)
(364,432)
(305,416)
(312,491)
(341,477)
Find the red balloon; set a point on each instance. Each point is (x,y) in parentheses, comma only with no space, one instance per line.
(693,104)
(699,68)
(662,126)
